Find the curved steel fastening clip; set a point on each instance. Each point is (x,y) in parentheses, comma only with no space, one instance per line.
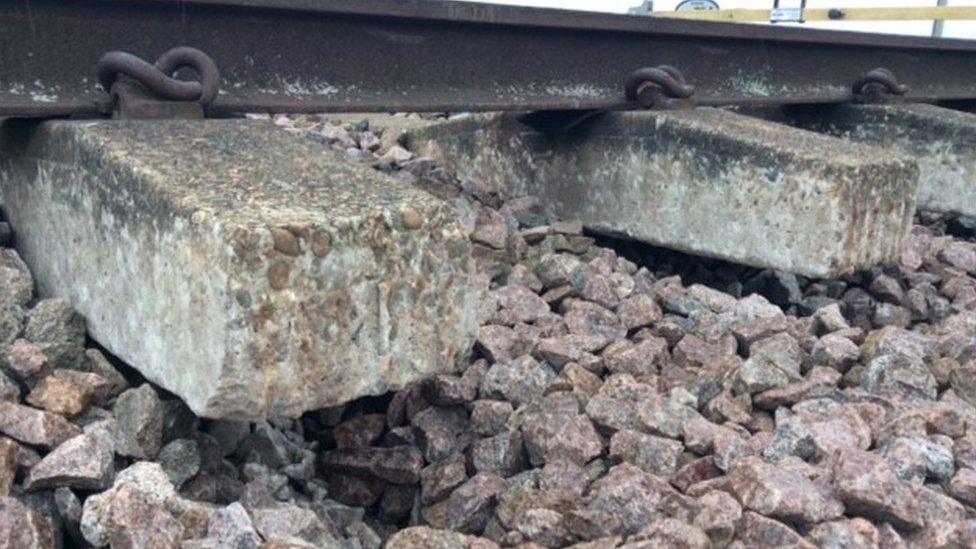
(661,86)
(878,86)
(158,78)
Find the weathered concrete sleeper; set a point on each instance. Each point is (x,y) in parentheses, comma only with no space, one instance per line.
(704,181)
(245,270)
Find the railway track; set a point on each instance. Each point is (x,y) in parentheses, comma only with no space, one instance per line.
(653,283)
(384,55)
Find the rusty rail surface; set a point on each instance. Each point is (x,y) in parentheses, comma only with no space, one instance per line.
(417,55)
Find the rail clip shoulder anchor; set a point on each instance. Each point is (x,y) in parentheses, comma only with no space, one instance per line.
(662,87)
(137,89)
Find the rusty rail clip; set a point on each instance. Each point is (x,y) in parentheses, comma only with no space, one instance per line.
(661,87)
(151,91)
(878,86)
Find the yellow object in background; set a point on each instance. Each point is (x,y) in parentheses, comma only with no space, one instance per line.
(941,13)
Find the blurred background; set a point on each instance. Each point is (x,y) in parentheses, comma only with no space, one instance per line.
(954,29)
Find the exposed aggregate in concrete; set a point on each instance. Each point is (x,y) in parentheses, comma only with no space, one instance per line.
(618,396)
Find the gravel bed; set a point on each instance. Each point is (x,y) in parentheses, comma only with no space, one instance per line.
(618,395)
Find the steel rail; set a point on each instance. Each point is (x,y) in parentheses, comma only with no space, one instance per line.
(419,55)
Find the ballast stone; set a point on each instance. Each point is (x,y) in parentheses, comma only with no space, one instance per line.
(703,181)
(942,141)
(245,270)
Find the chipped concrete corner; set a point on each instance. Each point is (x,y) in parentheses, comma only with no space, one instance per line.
(707,181)
(248,272)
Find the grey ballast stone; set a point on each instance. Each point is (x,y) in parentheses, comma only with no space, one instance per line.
(245,270)
(704,181)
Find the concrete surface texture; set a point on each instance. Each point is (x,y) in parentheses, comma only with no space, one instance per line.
(706,181)
(246,271)
(942,141)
